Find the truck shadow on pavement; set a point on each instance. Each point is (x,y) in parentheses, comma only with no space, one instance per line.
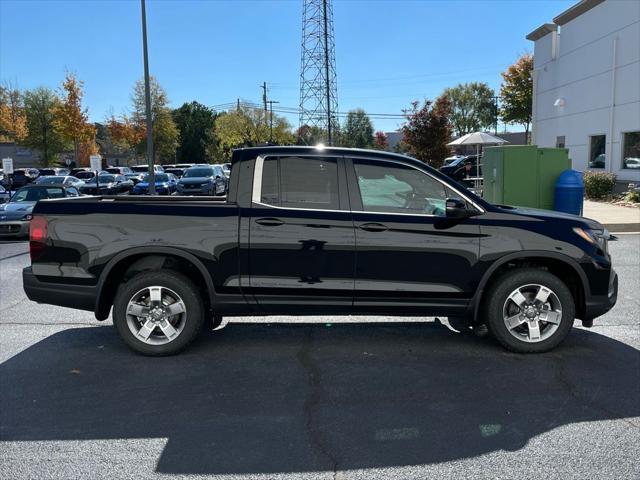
(296,398)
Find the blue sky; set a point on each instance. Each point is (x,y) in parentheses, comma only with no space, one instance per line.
(388,53)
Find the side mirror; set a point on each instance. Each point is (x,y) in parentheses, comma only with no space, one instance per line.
(457,208)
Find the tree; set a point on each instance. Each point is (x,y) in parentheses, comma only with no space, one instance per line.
(516,93)
(70,119)
(125,134)
(380,141)
(40,105)
(310,135)
(13,120)
(472,107)
(358,130)
(195,123)
(165,132)
(247,127)
(86,148)
(427,130)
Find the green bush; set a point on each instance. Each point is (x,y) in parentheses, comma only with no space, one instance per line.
(598,184)
(633,196)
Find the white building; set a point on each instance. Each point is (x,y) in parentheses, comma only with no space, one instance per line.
(586,86)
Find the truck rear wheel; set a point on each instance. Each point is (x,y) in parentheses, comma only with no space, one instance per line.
(158,313)
(529,310)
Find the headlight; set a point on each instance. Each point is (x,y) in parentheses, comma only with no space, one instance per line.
(597,238)
(27,217)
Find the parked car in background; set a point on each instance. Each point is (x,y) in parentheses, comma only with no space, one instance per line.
(75,171)
(107,184)
(226,168)
(4,195)
(85,176)
(203,180)
(178,172)
(18,179)
(32,172)
(119,170)
(54,171)
(598,162)
(59,180)
(16,215)
(184,166)
(632,162)
(165,183)
(145,168)
(462,168)
(449,160)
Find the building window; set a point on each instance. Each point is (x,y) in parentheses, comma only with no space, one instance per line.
(560,142)
(597,158)
(631,150)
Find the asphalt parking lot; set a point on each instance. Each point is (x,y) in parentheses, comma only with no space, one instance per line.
(394,399)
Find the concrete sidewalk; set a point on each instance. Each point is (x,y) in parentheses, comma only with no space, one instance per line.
(614,217)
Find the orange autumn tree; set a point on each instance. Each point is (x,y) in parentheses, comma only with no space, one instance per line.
(85,150)
(71,120)
(13,119)
(126,134)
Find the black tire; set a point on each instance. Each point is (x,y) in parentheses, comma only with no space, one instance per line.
(178,283)
(499,292)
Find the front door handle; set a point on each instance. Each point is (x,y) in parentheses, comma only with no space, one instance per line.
(269,222)
(373,227)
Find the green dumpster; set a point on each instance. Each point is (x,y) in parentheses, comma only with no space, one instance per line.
(523,175)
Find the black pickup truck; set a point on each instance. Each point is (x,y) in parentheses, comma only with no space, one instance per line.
(307,231)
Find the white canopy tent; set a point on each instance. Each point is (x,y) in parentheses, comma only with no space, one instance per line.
(478,139)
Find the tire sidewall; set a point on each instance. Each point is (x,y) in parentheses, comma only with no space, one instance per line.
(181,285)
(504,286)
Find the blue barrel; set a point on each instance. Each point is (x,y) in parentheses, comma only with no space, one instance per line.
(569,192)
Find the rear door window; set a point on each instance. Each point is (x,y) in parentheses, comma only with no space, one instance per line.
(300,182)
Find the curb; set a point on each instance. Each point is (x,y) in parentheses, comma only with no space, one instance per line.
(622,227)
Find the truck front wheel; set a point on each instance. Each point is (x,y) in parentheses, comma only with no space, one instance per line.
(529,310)
(158,313)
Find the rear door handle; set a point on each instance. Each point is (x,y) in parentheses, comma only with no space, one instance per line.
(269,222)
(373,227)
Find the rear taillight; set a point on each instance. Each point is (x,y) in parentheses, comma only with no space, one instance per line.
(37,236)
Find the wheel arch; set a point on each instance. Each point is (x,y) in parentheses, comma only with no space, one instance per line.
(564,267)
(140,259)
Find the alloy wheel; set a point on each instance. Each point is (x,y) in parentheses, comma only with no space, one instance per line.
(532,313)
(156,315)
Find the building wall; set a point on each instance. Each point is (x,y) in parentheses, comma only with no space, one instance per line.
(583,79)
(22,157)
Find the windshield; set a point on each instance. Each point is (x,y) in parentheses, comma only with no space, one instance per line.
(112,170)
(106,178)
(160,177)
(50,180)
(140,168)
(199,172)
(85,175)
(35,194)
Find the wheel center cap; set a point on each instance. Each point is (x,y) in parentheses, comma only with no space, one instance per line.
(156,314)
(530,312)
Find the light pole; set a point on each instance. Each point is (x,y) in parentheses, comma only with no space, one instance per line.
(147,98)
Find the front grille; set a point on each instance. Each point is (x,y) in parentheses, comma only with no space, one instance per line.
(9,228)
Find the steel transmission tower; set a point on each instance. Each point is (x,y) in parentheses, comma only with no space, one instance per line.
(318,89)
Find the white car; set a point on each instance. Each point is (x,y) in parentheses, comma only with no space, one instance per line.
(632,162)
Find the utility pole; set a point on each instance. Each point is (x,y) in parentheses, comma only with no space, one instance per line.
(264,98)
(495,115)
(147,98)
(271,102)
